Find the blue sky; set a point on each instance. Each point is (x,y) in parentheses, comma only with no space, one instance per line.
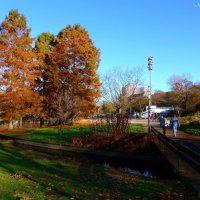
(126,31)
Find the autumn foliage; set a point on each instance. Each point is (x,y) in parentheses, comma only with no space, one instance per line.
(71,84)
(18,73)
(57,78)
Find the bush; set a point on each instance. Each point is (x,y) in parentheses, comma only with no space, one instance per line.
(194,119)
(194,123)
(112,124)
(191,129)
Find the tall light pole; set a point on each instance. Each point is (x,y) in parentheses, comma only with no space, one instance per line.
(150,63)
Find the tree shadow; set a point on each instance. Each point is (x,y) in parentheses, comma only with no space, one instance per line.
(104,186)
(42,169)
(89,175)
(14,161)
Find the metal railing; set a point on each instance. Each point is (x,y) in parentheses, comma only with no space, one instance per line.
(181,151)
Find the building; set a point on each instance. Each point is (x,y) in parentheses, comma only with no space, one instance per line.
(132,89)
(158,110)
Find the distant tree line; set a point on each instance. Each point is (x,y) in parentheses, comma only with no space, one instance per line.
(184,95)
(52,77)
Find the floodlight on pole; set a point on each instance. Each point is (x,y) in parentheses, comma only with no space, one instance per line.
(150,64)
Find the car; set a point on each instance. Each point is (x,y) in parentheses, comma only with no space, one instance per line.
(145,114)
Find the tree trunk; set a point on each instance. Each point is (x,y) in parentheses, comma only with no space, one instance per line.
(10,124)
(41,122)
(119,110)
(20,122)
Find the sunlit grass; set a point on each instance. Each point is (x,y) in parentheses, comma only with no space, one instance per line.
(137,128)
(191,129)
(52,135)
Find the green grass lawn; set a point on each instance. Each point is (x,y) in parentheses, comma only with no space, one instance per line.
(191,129)
(137,128)
(52,135)
(30,175)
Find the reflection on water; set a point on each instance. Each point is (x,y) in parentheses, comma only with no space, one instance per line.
(132,171)
(139,173)
(151,169)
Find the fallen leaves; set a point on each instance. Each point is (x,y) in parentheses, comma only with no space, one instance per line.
(17,176)
(23,175)
(122,142)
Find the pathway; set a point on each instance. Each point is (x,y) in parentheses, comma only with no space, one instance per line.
(190,175)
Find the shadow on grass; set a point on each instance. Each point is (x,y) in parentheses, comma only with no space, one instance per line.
(16,162)
(63,178)
(68,179)
(57,177)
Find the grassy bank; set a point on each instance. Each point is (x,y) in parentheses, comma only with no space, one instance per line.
(137,128)
(52,135)
(28,175)
(191,129)
(191,124)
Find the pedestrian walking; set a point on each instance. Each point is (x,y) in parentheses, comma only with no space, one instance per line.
(163,123)
(175,123)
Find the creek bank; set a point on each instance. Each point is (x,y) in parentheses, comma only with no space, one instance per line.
(144,161)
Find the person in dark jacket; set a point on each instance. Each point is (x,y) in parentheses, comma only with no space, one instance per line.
(163,123)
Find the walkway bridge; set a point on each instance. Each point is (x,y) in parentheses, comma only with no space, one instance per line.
(183,155)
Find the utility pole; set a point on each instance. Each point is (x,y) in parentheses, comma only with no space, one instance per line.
(150,63)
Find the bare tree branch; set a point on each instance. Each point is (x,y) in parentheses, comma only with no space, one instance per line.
(115,88)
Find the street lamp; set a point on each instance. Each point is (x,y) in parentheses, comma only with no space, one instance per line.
(150,63)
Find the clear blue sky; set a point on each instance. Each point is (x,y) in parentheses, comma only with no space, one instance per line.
(126,31)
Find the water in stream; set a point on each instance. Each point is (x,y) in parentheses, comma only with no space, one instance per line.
(150,169)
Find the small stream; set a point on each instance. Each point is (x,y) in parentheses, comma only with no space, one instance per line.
(154,169)
(135,172)
(147,169)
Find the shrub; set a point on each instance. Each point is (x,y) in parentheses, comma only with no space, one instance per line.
(194,119)
(191,129)
(112,124)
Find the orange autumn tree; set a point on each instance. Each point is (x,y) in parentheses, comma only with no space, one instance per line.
(19,96)
(43,48)
(71,85)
